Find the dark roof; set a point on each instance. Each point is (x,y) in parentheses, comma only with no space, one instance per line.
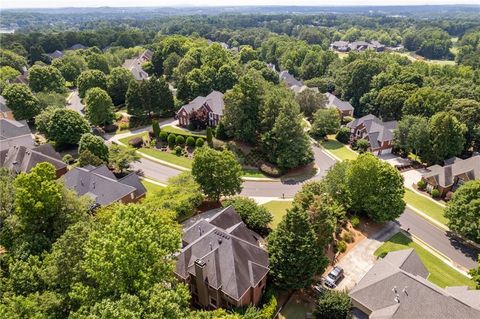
(78,46)
(11,129)
(56,54)
(100,184)
(135,67)
(289,79)
(233,259)
(22,159)
(214,101)
(445,175)
(3,105)
(377,130)
(337,103)
(396,287)
(146,55)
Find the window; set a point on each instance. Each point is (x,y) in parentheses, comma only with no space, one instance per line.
(210,115)
(213,302)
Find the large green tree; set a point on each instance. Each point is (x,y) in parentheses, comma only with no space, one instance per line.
(293,244)
(426,102)
(325,121)
(463,211)
(447,137)
(467,111)
(117,84)
(333,305)
(66,127)
(310,101)
(98,107)
(91,79)
(95,144)
(256,217)
(21,101)
(46,78)
(217,172)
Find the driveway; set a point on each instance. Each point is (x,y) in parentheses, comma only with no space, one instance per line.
(361,259)
(75,103)
(412,177)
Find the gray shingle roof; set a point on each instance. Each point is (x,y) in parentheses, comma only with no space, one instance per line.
(135,67)
(3,105)
(234,261)
(337,103)
(78,46)
(12,128)
(22,159)
(56,54)
(100,184)
(289,79)
(445,176)
(390,290)
(377,130)
(214,100)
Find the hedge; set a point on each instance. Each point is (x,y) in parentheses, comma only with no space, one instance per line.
(180,140)
(171,139)
(190,141)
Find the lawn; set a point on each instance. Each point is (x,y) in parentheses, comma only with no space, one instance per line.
(128,138)
(250,172)
(440,273)
(294,310)
(339,150)
(176,130)
(168,157)
(278,208)
(425,205)
(151,187)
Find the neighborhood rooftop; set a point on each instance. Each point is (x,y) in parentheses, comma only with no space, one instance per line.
(14,133)
(339,104)
(376,130)
(444,176)
(396,287)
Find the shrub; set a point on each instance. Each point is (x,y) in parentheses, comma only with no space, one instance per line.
(220,132)
(110,128)
(156,129)
(349,237)
(355,221)
(153,142)
(341,246)
(163,136)
(87,158)
(435,193)
(448,196)
(123,126)
(343,135)
(347,119)
(209,136)
(171,140)
(362,145)
(136,142)
(190,141)
(333,304)
(151,134)
(270,170)
(67,159)
(180,140)
(191,127)
(199,142)
(422,185)
(118,116)
(178,150)
(269,308)
(218,145)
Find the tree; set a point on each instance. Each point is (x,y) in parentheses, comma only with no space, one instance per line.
(375,188)
(46,78)
(134,99)
(98,62)
(467,111)
(310,101)
(11,59)
(426,102)
(7,74)
(412,135)
(333,305)
(247,54)
(293,244)
(447,137)
(475,273)
(88,158)
(118,82)
(91,79)
(94,144)
(46,99)
(156,129)
(44,209)
(209,137)
(463,211)
(70,66)
(217,172)
(67,127)
(362,145)
(120,158)
(256,217)
(21,101)
(391,99)
(325,121)
(225,78)
(98,107)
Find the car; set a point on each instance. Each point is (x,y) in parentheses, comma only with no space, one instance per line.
(334,276)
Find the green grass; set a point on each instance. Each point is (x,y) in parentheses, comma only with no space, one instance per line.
(294,310)
(278,208)
(440,273)
(425,205)
(176,130)
(151,187)
(128,138)
(168,157)
(250,172)
(340,150)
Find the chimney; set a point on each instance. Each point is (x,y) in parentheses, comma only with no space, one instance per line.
(200,276)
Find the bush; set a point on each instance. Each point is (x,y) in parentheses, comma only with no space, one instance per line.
(435,193)
(448,196)
(256,217)
(151,134)
(333,304)
(362,145)
(341,246)
(269,308)
(111,128)
(349,237)
(178,150)
(171,140)
(136,142)
(343,135)
(422,185)
(220,132)
(163,136)
(209,136)
(270,170)
(190,141)
(218,145)
(355,221)
(199,142)
(118,116)
(347,119)
(156,129)
(191,127)
(67,159)
(123,126)
(180,140)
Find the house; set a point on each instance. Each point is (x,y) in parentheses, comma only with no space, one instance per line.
(222,262)
(22,78)
(14,133)
(359,46)
(341,46)
(78,46)
(135,67)
(101,185)
(344,108)
(299,89)
(5,111)
(146,55)
(377,46)
(453,174)
(56,54)
(212,104)
(289,79)
(379,134)
(396,287)
(21,159)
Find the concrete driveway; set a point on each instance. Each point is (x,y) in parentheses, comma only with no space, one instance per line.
(75,103)
(360,259)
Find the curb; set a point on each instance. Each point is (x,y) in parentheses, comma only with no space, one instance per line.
(154,159)
(418,193)
(436,223)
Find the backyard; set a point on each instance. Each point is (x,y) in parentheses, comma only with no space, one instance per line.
(441,274)
(152,188)
(278,208)
(425,205)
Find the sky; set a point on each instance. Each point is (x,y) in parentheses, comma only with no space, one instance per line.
(172,3)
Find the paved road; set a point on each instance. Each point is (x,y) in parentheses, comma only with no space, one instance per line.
(155,170)
(74,102)
(438,239)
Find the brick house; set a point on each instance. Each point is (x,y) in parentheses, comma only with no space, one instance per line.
(5,111)
(344,108)
(222,262)
(211,104)
(378,134)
